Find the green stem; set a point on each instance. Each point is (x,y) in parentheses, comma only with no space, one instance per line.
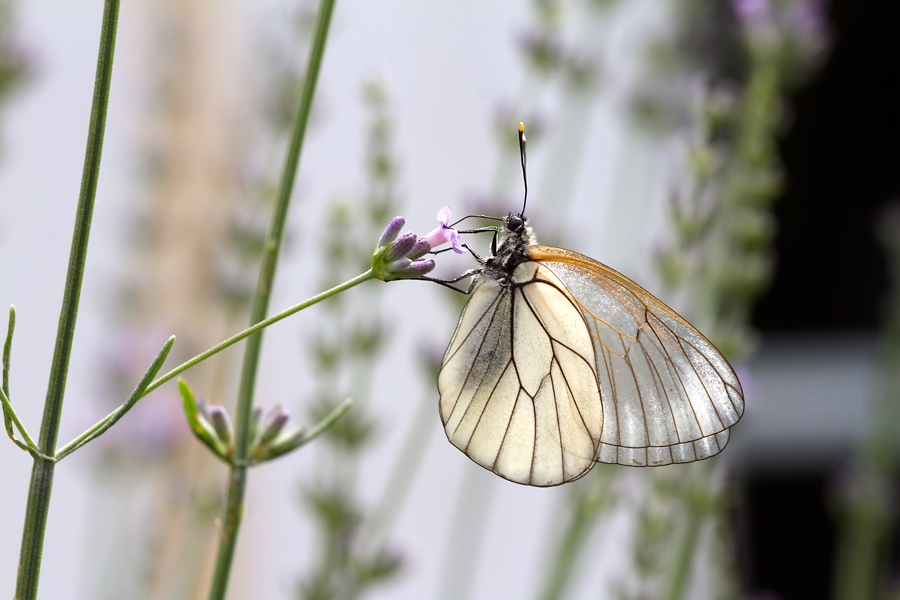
(468,527)
(568,551)
(867,514)
(329,420)
(238,475)
(113,417)
(9,415)
(696,505)
(261,325)
(142,390)
(42,472)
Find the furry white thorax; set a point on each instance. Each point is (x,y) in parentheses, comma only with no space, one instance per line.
(514,239)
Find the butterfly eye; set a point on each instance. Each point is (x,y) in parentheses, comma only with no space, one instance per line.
(515,223)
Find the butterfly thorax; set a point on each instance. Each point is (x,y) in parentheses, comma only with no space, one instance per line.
(515,237)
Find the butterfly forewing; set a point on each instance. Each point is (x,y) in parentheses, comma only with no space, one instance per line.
(668,395)
(518,387)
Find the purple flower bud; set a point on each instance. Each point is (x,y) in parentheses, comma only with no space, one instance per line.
(272,424)
(399,258)
(390,232)
(397,265)
(416,268)
(255,418)
(400,247)
(419,249)
(203,410)
(221,423)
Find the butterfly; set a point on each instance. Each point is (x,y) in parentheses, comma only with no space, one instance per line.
(559,362)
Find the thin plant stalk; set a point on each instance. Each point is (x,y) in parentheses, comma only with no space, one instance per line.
(42,473)
(401,478)
(141,390)
(691,520)
(468,527)
(867,514)
(237,480)
(590,500)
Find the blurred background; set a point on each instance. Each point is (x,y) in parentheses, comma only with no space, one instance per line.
(738,159)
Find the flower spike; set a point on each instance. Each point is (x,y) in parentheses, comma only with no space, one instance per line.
(401,257)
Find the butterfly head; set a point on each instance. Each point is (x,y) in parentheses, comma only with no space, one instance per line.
(514,223)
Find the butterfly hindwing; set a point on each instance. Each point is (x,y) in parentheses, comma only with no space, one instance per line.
(668,395)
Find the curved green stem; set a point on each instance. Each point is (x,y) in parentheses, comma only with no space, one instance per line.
(257,327)
(113,417)
(42,472)
(143,388)
(238,475)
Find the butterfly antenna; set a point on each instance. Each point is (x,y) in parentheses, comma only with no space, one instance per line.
(522,154)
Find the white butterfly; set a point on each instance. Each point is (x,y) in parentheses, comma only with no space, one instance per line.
(559,361)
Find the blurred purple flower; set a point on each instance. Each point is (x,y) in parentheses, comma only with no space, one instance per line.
(749,386)
(753,12)
(808,20)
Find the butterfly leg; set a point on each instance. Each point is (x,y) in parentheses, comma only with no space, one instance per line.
(466,246)
(492,229)
(449,282)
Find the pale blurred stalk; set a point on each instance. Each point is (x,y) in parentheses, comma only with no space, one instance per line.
(355,552)
(237,481)
(161,543)
(466,532)
(867,509)
(589,499)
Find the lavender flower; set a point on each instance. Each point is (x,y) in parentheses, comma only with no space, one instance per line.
(401,257)
(444,233)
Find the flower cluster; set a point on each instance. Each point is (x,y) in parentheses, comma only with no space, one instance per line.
(401,257)
(211,425)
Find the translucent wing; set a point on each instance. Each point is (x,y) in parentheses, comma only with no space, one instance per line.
(668,395)
(518,385)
